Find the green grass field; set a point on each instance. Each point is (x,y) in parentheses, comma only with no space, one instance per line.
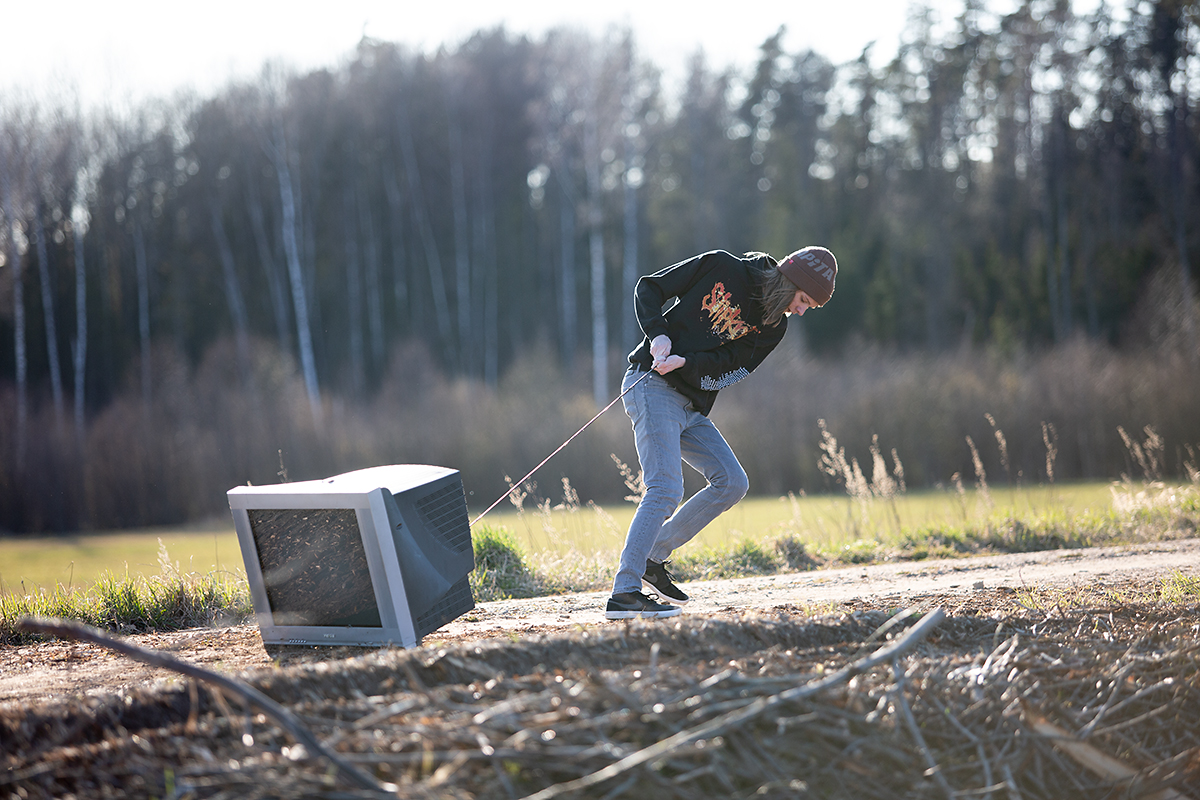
(166,579)
(824,524)
(78,561)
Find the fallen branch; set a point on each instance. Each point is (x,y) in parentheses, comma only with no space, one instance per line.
(734,718)
(285,718)
(1093,758)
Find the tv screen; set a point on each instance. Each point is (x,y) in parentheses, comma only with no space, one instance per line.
(374,557)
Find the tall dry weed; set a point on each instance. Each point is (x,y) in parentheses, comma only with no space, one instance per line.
(1148,454)
(1050,440)
(634,482)
(981,484)
(833,462)
(1001,445)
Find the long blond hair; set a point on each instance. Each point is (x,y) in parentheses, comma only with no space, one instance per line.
(772,288)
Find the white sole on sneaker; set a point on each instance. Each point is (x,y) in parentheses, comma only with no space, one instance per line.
(644,614)
(655,590)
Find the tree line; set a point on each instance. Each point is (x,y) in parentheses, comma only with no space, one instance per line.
(1016,179)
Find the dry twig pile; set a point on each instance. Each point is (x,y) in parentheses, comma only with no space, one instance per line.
(1085,703)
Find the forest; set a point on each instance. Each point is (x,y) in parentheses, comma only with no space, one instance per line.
(428,257)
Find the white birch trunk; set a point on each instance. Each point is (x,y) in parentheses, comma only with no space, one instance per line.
(596,251)
(79,345)
(308,236)
(631,333)
(56,384)
(291,249)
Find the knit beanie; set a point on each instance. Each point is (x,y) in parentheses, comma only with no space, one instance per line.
(813,270)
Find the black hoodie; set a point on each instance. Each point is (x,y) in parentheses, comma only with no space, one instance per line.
(715,322)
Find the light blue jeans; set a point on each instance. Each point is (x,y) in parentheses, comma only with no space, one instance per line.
(667,432)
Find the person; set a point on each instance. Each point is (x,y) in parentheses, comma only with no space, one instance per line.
(726,314)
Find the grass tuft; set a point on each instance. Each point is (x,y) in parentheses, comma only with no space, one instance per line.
(1180,588)
(501,571)
(125,604)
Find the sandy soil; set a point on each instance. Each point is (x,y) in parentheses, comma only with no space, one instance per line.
(58,671)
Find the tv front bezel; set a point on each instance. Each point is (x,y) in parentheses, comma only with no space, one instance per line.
(348,491)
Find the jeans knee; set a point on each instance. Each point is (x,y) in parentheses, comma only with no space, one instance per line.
(735,486)
(664,496)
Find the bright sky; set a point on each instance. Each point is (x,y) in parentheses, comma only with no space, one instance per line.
(125,50)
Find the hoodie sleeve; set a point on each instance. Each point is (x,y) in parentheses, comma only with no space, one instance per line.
(653,291)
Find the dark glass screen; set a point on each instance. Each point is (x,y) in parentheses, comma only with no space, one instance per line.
(314,567)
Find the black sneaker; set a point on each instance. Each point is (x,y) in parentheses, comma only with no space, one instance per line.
(627,605)
(658,579)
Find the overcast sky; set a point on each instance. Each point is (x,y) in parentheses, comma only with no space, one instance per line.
(125,50)
(122,51)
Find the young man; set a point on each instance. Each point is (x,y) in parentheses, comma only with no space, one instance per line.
(727,314)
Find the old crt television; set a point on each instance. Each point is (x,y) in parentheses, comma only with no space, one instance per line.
(376,557)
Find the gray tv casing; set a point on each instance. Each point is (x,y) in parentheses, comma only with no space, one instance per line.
(414,533)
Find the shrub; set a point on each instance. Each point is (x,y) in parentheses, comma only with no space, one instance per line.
(741,559)
(862,551)
(500,569)
(794,552)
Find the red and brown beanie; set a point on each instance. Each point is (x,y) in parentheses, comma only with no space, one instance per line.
(813,270)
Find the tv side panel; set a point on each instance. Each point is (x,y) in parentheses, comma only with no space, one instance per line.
(433,543)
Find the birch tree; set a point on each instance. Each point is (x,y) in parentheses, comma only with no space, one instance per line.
(278,149)
(88,152)
(636,108)
(595,218)
(46,283)
(79,344)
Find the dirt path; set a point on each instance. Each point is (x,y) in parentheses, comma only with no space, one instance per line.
(60,671)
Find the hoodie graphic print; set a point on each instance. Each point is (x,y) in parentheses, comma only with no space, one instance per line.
(712,319)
